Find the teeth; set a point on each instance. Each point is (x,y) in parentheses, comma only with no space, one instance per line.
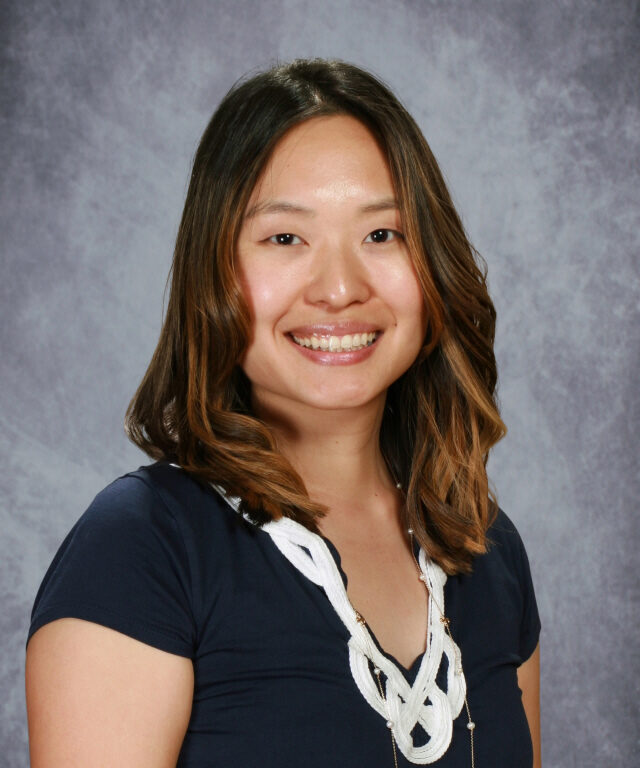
(347,343)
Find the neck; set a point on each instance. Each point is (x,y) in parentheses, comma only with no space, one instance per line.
(337,454)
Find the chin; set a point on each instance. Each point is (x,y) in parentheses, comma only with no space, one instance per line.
(337,401)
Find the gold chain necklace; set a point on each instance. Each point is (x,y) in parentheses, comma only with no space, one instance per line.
(444,620)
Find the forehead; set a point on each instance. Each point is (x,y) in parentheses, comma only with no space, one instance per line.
(325,157)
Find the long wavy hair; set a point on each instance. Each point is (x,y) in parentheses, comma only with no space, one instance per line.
(193,406)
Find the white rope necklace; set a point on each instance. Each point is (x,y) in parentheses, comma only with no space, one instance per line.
(401,705)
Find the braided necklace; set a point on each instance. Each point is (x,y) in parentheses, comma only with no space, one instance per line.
(401,705)
(458,668)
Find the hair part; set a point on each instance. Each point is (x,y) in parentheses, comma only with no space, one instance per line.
(441,417)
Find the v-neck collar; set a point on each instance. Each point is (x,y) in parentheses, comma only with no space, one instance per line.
(408,672)
(413,696)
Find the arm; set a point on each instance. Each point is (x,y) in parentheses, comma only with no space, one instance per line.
(529,683)
(96,697)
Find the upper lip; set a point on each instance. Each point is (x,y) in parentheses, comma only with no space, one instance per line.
(341,328)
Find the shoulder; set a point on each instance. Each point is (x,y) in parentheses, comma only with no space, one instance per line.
(510,562)
(161,515)
(144,558)
(507,561)
(504,568)
(503,539)
(498,596)
(159,497)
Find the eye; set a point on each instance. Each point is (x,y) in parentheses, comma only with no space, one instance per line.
(383,236)
(284,238)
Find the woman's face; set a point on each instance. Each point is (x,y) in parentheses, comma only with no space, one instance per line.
(338,314)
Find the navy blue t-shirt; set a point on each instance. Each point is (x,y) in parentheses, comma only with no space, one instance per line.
(167,561)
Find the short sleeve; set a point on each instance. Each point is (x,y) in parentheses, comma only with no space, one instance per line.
(530,626)
(123,565)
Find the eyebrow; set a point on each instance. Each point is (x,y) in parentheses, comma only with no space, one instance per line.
(282,206)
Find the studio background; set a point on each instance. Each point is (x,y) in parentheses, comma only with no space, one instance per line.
(532,110)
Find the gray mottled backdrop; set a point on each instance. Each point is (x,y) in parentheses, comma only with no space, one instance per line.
(532,109)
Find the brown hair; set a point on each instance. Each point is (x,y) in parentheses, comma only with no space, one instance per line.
(441,417)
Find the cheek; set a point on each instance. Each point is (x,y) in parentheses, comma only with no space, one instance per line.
(404,294)
(268,300)
(266,304)
(257,289)
(270,289)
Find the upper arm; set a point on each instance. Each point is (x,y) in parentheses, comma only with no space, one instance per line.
(96,697)
(529,684)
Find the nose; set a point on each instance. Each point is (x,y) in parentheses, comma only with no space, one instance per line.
(337,278)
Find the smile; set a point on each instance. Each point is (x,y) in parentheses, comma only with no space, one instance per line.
(350,342)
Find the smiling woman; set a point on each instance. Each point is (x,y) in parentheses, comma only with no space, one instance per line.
(314,567)
(336,286)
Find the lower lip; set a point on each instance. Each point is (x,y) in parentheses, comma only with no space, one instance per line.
(322,357)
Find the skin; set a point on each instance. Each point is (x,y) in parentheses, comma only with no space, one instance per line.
(96,697)
(329,270)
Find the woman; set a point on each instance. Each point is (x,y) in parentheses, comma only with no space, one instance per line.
(314,570)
